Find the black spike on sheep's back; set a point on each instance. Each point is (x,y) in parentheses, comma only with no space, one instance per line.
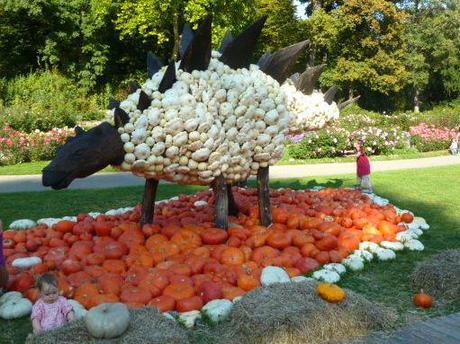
(227,40)
(280,63)
(154,64)
(238,53)
(144,101)
(295,78)
(169,78)
(133,86)
(186,39)
(344,104)
(264,60)
(309,78)
(120,117)
(330,94)
(198,53)
(113,103)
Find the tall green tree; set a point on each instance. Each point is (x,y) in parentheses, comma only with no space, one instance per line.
(159,22)
(365,51)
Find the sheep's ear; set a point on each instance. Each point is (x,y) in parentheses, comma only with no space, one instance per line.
(154,64)
(279,64)
(79,131)
(144,101)
(120,117)
(309,78)
(198,52)
(238,53)
(169,78)
(330,94)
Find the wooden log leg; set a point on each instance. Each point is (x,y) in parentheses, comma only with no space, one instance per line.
(221,207)
(148,208)
(264,197)
(233,208)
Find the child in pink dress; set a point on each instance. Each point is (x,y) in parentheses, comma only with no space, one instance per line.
(51,310)
(363,168)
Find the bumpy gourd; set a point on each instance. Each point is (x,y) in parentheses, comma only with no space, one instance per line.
(331,292)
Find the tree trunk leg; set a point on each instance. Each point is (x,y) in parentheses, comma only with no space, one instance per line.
(221,207)
(233,208)
(148,208)
(264,197)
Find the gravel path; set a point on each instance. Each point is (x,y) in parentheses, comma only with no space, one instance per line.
(110,180)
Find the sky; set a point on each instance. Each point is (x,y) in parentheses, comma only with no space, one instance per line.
(300,9)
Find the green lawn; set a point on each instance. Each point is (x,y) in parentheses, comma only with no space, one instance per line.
(431,193)
(36,167)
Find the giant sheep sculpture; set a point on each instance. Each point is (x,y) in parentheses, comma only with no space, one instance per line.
(210,119)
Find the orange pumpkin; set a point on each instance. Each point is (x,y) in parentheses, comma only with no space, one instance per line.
(423,300)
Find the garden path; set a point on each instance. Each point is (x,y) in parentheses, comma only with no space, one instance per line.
(110,180)
(440,330)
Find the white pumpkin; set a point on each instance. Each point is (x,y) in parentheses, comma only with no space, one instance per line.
(11,295)
(414,245)
(339,268)
(298,279)
(327,276)
(108,320)
(274,274)
(26,263)
(217,310)
(384,254)
(188,319)
(22,224)
(395,246)
(366,255)
(354,262)
(78,309)
(15,308)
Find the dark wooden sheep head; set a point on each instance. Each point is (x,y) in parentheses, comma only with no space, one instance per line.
(84,154)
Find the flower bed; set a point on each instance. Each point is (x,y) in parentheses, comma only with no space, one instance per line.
(17,147)
(182,262)
(429,137)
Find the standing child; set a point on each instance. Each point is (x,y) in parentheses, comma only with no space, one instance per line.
(51,310)
(363,168)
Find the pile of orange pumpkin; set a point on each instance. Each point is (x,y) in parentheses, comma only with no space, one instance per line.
(182,261)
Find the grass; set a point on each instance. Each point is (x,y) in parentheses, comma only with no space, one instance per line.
(430,192)
(36,167)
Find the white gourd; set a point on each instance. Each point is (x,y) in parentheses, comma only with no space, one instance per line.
(273,274)
(108,320)
(15,308)
(217,310)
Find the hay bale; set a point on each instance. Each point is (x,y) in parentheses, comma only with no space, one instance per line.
(147,325)
(439,275)
(294,313)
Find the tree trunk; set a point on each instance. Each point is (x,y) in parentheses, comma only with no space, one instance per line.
(221,205)
(148,208)
(233,208)
(312,55)
(175,52)
(417,100)
(264,197)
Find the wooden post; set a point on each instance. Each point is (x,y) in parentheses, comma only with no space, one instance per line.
(148,208)
(264,197)
(221,205)
(232,206)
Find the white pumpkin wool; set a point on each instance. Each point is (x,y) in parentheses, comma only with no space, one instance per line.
(405,236)
(226,122)
(217,310)
(273,274)
(298,279)
(366,255)
(311,112)
(22,224)
(326,276)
